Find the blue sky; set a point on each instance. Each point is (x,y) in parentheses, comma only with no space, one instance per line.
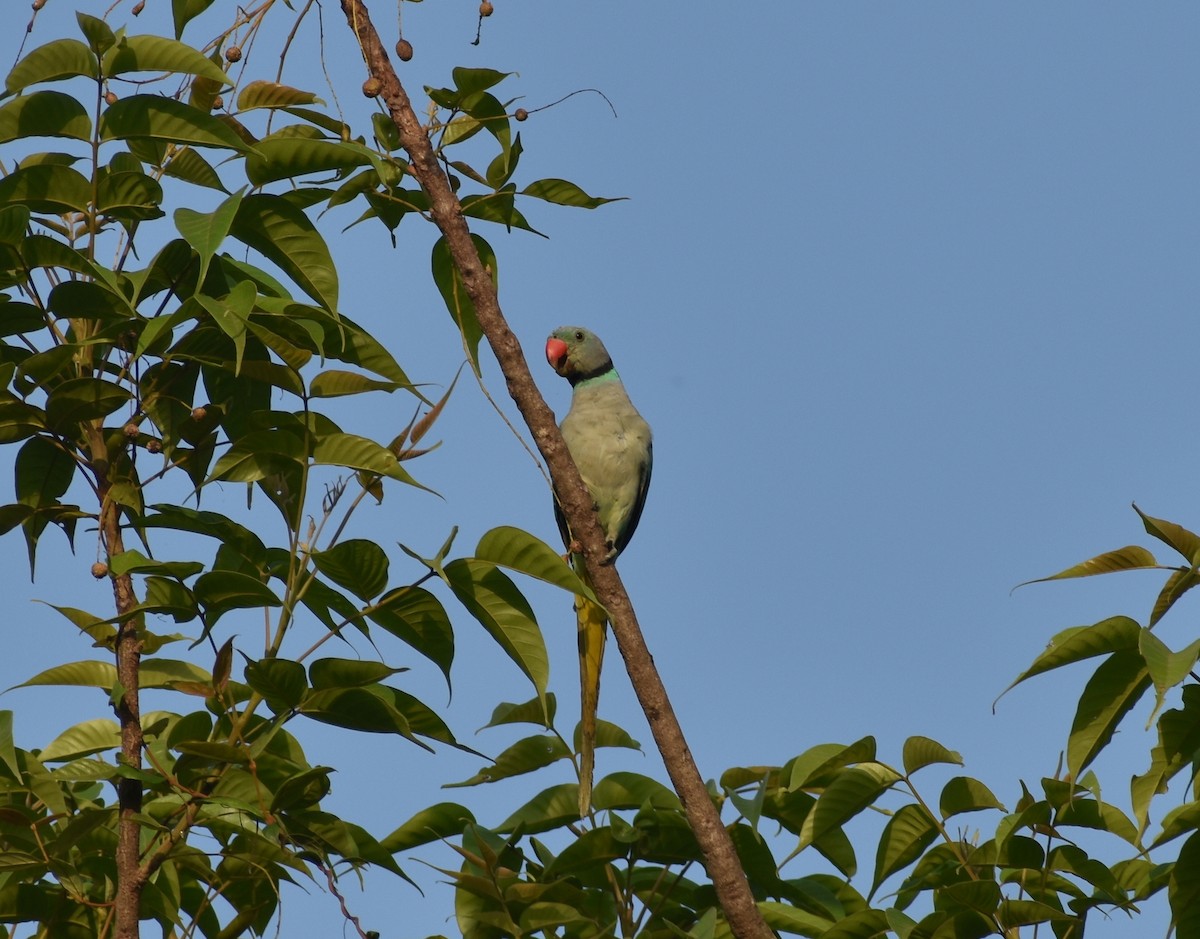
(908,294)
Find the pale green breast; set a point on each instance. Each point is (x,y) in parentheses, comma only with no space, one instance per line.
(612,446)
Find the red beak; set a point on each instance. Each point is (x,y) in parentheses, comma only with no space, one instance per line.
(556,354)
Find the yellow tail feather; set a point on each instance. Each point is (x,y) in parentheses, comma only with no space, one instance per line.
(593,630)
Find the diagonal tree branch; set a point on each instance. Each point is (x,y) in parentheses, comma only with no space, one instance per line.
(721,860)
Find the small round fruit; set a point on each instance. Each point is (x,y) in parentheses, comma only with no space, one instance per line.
(154,446)
(99,569)
(521,114)
(404,50)
(371,87)
(130,430)
(200,413)
(110,97)
(233,54)
(486,8)
(218,103)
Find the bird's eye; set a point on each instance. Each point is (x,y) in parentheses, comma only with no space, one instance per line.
(579,335)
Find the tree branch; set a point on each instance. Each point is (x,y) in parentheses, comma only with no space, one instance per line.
(721,860)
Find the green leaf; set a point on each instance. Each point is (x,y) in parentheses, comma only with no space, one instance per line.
(500,608)
(417,617)
(1114,688)
(100,631)
(818,765)
(19,420)
(1116,634)
(520,551)
(334,383)
(443,820)
(159,54)
(302,790)
(905,837)
(385,132)
(205,231)
(283,234)
(1101,816)
(851,791)
(562,192)
(281,682)
(862,924)
(608,734)
(166,673)
(49,188)
(84,299)
(212,524)
(1179,821)
(551,808)
(41,251)
(964,794)
(922,751)
(287,156)
(527,712)
(498,207)
(632,791)
(359,453)
(231,313)
(1014,913)
(347,673)
(44,114)
(787,918)
(191,167)
(83,399)
(214,752)
(1177,584)
(524,756)
(1166,668)
(98,33)
(43,472)
(1178,537)
(132,561)
(264,94)
(470,80)
(184,11)
(14,219)
(221,591)
(83,739)
(450,285)
(369,709)
(358,565)
(63,58)
(158,118)
(258,455)
(168,596)
(501,169)
(88,674)
(1130,558)
(8,750)
(348,342)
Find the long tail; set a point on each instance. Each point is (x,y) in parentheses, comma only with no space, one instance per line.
(593,630)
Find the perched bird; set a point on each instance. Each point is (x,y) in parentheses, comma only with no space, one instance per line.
(611,445)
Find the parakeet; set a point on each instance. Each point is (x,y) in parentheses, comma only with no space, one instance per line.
(612,446)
